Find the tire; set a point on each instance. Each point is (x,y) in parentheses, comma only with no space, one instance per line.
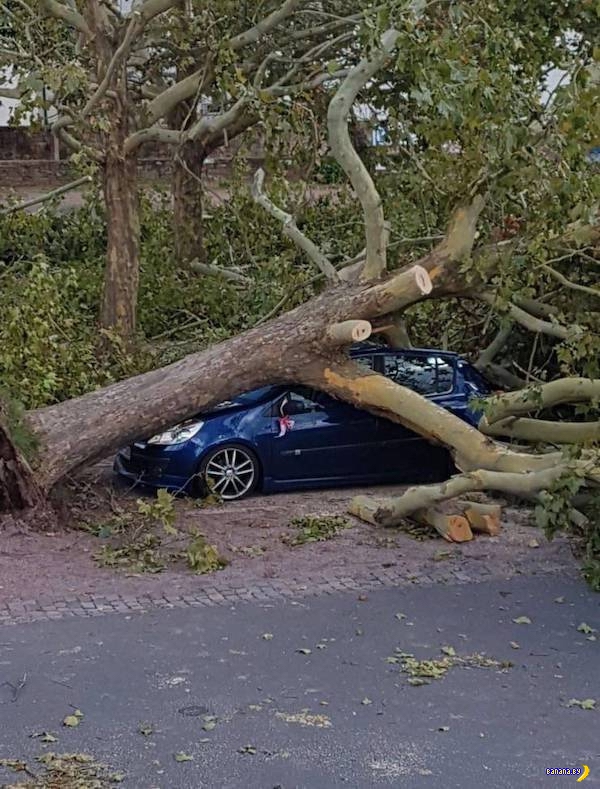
(232,462)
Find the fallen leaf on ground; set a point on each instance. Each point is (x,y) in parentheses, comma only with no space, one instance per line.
(146,729)
(514,645)
(267,636)
(45,736)
(522,620)
(584,704)
(249,749)
(71,721)
(183,757)
(366,701)
(304,651)
(305,718)
(450,651)
(585,628)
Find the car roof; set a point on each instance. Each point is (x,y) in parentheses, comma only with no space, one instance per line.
(366,348)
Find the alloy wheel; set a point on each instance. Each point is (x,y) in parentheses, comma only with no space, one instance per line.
(230,473)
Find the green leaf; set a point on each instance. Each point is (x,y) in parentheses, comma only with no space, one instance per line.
(183,757)
(450,651)
(585,628)
(71,721)
(522,620)
(584,704)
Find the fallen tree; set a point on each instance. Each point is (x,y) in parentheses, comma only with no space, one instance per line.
(308,345)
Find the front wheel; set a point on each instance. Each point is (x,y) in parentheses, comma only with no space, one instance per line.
(231,472)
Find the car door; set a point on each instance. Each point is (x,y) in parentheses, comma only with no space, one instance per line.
(323,439)
(292,438)
(404,454)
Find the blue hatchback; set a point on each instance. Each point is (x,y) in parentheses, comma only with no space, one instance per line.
(292,437)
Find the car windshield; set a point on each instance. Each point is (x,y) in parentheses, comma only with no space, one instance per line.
(248,398)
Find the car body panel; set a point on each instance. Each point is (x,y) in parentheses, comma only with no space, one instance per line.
(303,438)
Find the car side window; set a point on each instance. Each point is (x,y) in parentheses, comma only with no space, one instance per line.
(445,377)
(426,375)
(299,400)
(367,362)
(474,377)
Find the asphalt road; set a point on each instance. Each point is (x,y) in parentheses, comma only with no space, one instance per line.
(169,669)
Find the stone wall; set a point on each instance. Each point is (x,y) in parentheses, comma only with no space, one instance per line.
(40,172)
(20,143)
(27,159)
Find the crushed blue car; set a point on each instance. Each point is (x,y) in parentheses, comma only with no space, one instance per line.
(293,438)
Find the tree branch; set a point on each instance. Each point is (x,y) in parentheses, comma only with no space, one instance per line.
(134,28)
(527,320)
(290,228)
(540,430)
(152,134)
(185,88)
(391,511)
(487,356)
(48,196)
(151,8)
(218,271)
(378,394)
(348,332)
(568,283)
(345,154)
(10,93)
(265,26)
(69,15)
(536,398)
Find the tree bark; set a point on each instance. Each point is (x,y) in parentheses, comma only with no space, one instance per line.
(188,202)
(19,491)
(121,278)
(119,177)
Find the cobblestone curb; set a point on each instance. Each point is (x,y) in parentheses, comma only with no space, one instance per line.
(212,593)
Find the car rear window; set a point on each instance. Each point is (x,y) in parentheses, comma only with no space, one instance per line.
(475,378)
(365,361)
(427,375)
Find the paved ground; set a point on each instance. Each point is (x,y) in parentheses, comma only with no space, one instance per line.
(169,668)
(54,575)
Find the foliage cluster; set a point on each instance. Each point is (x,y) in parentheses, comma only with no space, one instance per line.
(146,539)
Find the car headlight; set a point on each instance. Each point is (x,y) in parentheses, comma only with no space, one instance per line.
(178,434)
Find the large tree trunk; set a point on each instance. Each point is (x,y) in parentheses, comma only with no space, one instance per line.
(119,181)
(188,202)
(121,278)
